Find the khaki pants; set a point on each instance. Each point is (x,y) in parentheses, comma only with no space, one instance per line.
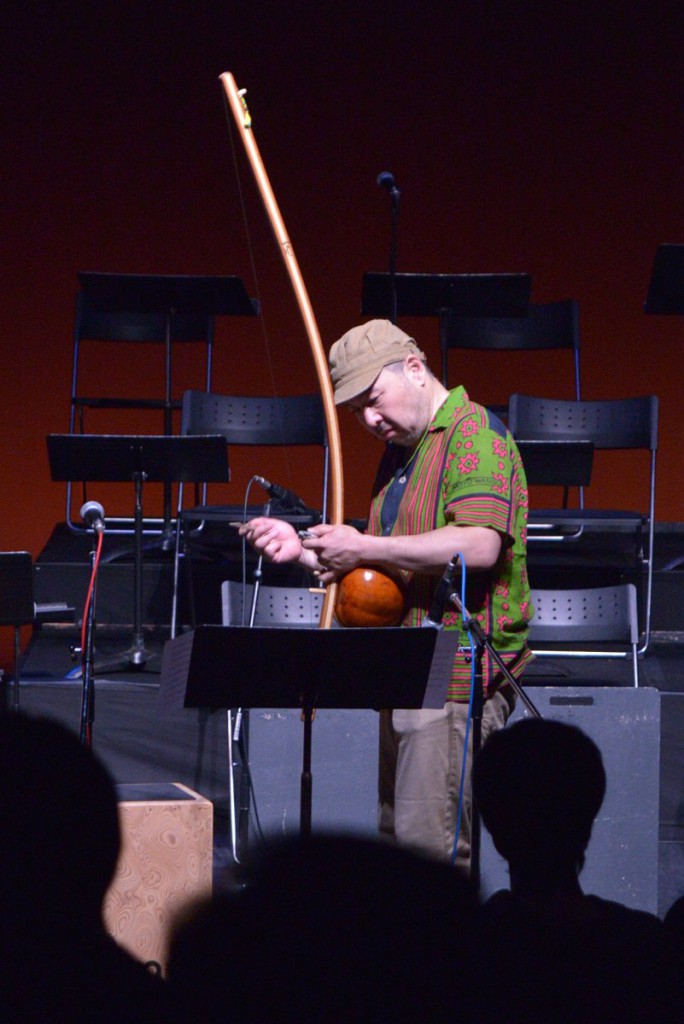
(421,755)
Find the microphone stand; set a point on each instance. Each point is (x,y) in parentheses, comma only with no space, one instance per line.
(88,656)
(481,643)
(257,576)
(395,196)
(238,734)
(386,181)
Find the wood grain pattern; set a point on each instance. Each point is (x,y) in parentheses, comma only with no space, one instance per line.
(165,862)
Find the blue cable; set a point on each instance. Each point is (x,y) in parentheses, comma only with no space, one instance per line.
(464,763)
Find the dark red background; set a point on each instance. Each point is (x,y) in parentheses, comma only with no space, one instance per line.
(537,137)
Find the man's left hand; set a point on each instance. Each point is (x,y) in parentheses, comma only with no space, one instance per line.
(337,548)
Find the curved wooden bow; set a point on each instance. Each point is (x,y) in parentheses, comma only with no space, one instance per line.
(243,121)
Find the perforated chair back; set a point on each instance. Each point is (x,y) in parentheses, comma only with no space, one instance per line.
(277,607)
(280,607)
(254,420)
(548,325)
(280,420)
(600,616)
(612,423)
(618,423)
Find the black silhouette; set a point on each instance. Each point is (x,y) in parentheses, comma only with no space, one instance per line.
(59,842)
(560,955)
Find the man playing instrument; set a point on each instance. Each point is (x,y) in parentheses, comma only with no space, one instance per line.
(451,481)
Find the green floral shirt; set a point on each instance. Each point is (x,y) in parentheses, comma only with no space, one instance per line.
(466,471)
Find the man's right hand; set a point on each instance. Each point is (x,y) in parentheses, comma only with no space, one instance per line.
(275,539)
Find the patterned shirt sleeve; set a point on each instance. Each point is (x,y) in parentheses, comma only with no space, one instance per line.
(478,478)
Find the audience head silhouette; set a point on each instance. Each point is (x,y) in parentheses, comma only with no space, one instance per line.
(59,845)
(335,928)
(539,785)
(59,816)
(561,955)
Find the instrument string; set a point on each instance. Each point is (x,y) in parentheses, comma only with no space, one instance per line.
(257,288)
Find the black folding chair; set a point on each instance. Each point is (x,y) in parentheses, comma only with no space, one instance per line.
(595,622)
(629,424)
(273,421)
(548,325)
(92,324)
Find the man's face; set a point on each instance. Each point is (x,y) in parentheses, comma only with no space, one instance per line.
(394,407)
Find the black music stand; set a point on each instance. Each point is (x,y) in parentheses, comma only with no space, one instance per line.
(557,462)
(121,458)
(168,296)
(239,666)
(17,609)
(446,295)
(666,287)
(441,294)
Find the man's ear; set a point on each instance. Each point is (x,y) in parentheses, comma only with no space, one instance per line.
(415,368)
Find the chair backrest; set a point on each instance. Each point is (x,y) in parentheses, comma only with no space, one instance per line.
(619,423)
(281,607)
(255,420)
(93,324)
(548,325)
(591,615)
(611,423)
(260,420)
(597,616)
(614,423)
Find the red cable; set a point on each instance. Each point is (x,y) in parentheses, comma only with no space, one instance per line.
(89,595)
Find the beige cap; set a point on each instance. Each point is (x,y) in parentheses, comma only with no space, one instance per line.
(360,354)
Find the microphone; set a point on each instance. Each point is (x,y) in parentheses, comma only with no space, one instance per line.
(287,500)
(386,180)
(93,516)
(442,595)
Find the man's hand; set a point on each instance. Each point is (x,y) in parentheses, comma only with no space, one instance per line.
(337,549)
(275,539)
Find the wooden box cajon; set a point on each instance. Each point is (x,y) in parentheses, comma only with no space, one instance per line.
(165,862)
